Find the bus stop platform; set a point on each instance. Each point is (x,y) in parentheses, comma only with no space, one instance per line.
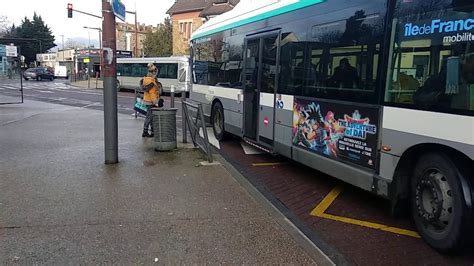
(60,204)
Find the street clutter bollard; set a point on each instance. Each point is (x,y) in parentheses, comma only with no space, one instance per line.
(164,127)
(183,122)
(172,96)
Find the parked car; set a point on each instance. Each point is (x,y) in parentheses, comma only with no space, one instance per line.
(60,72)
(38,73)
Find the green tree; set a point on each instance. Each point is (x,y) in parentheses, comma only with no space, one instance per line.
(160,42)
(33,29)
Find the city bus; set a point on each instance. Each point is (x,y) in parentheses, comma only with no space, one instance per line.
(376,93)
(173,71)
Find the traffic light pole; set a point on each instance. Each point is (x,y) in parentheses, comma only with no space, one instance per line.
(110,83)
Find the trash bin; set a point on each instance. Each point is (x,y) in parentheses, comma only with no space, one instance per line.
(164,128)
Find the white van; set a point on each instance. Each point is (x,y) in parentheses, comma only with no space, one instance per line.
(173,71)
(60,72)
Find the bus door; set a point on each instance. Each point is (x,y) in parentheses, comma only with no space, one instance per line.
(259,91)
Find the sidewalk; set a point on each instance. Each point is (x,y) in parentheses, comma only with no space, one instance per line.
(85,84)
(61,204)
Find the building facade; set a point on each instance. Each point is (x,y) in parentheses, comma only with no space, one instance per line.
(125,36)
(188,15)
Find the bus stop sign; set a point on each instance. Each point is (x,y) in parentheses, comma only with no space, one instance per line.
(119,9)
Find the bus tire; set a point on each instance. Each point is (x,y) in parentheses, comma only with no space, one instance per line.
(438,204)
(217,120)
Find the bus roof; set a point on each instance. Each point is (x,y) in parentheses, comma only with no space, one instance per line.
(248,11)
(172,59)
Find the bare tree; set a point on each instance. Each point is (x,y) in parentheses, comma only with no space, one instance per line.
(73,44)
(4,25)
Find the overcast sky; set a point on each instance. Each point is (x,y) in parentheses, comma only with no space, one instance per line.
(54,13)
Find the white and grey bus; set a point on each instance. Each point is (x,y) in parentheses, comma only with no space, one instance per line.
(173,71)
(377,93)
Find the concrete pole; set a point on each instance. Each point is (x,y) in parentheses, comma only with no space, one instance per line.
(110,84)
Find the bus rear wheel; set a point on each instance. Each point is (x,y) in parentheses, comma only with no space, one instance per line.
(437,200)
(217,120)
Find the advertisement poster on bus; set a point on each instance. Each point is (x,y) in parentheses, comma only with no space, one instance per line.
(338,131)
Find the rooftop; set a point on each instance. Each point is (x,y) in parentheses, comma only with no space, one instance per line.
(209,7)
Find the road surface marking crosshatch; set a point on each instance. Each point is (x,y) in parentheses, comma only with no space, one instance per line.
(321,208)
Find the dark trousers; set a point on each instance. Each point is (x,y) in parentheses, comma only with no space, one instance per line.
(148,120)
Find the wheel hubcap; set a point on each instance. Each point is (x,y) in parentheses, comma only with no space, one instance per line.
(434,203)
(218,122)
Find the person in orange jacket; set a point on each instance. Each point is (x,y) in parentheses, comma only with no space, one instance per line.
(151,97)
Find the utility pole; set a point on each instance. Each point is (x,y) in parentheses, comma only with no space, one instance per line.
(110,83)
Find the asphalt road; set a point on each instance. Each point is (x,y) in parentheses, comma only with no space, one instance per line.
(355,227)
(61,92)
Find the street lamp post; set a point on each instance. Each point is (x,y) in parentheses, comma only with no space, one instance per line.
(135,49)
(62,36)
(100,44)
(89,63)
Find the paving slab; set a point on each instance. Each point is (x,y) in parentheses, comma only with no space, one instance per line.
(60,204)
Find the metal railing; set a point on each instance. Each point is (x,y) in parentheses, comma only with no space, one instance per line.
(19,78)
(194,124)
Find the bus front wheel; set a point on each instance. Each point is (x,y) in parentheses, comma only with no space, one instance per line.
(217,120)
(437,200)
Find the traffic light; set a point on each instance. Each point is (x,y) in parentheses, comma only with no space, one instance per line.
(69,10)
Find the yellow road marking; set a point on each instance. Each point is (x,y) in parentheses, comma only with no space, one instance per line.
(320,210)
(266,164)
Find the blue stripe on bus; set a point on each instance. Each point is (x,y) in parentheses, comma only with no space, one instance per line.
(269,14)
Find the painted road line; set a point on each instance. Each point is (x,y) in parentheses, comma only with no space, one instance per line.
(46,91)
(92,104)
(320,210)
(266,164)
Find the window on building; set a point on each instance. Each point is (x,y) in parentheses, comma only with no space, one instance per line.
(186,29)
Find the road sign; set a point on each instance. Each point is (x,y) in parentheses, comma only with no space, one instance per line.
(119,9)
(11,51)
(86,60)
(123,54)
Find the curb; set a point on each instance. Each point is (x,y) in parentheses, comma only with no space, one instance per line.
(321,252)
